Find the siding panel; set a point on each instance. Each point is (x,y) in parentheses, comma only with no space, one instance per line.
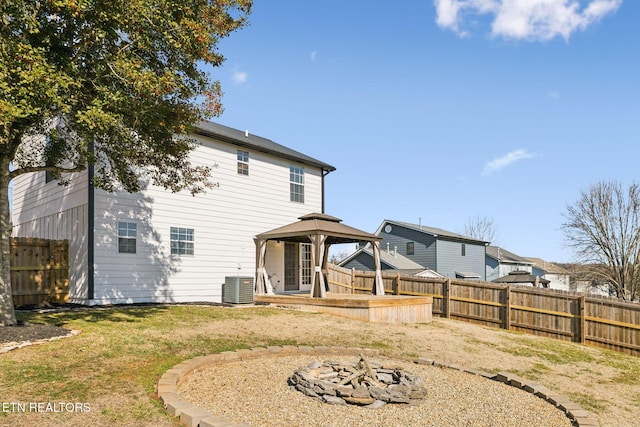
(225,221)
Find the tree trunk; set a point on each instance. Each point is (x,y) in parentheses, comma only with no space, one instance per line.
(7,312)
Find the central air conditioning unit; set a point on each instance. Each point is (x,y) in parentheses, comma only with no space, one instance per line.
(238,290)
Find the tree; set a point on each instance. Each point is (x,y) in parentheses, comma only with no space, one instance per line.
(116,85)
(603,228)
(481,228)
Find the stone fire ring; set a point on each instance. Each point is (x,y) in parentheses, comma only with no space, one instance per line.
(193,416)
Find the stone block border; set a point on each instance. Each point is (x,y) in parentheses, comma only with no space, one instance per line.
(193,416)
(7,347)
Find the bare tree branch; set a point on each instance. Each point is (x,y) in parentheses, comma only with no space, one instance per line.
(481,228)
(603,229)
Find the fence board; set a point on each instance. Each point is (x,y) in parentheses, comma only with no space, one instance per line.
(570,316)
(39,271)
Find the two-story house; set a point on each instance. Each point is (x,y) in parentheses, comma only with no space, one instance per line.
(158,246)
(449,254)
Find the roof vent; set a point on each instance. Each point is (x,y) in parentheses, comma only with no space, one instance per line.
(246,134)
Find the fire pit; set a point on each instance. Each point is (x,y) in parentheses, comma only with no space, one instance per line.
(362,383)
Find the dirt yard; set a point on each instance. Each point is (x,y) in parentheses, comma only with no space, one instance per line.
(598,380)
(120,353)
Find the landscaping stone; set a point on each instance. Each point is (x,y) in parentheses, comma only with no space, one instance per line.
(362,383)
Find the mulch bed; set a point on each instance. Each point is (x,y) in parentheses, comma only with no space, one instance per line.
(24,331)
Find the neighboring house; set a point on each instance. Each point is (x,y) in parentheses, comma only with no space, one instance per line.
(158,246)
(449,254)
(501,262)
(584,279)
(558,277)
(362,259)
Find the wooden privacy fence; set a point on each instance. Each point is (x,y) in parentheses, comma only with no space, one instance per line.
(571,316)
(39,271)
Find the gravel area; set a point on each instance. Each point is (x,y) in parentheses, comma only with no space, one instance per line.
(255,392)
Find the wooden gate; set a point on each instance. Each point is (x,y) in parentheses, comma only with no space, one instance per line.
(39,271)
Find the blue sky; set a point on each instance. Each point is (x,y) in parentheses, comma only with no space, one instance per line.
(445,110)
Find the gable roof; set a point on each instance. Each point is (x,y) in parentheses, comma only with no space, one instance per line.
(254,142)
(435,232)
(396,261)
(504,256)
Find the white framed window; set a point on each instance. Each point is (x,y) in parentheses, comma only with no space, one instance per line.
(243,162)
(127,236)
(182,242)
(296,184)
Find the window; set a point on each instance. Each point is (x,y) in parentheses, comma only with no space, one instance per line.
(463,250)
(48,176)
(243,162)
(296,185)
(181,241)
(127,237)
(409,248)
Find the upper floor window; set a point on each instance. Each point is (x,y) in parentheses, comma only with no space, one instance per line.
(181,241)
(410,248)
(127,236)
(243,162)
(463,250)
(296,184)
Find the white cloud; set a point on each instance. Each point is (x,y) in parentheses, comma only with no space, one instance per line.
(506,160)
(553,95)
(525,19)
(239,77)
(314,55)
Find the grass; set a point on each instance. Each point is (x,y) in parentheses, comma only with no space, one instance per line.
(118,358)
(123,349)
(589,402)
(554,351)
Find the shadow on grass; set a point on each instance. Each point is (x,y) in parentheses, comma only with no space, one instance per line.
(117,314)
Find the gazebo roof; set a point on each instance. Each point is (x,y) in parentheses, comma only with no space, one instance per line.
(520,276)
(318,223)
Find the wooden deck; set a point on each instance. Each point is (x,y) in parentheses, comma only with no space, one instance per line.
(370,308)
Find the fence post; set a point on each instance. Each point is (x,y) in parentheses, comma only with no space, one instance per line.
(353,279)
(582,337)
(507,308)
(447,299)
(396,284)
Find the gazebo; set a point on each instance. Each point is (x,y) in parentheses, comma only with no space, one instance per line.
(521,277)
(321,231)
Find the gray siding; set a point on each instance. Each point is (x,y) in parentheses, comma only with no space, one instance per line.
(450,259)
(493,269)
(364,262)
(424,245)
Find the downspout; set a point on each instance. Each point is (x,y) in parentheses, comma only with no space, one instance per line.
(324,173)
(90,230)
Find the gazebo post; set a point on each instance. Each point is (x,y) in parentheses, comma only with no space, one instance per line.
(378,285)
(325,259)
(262,285)
(318,289)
